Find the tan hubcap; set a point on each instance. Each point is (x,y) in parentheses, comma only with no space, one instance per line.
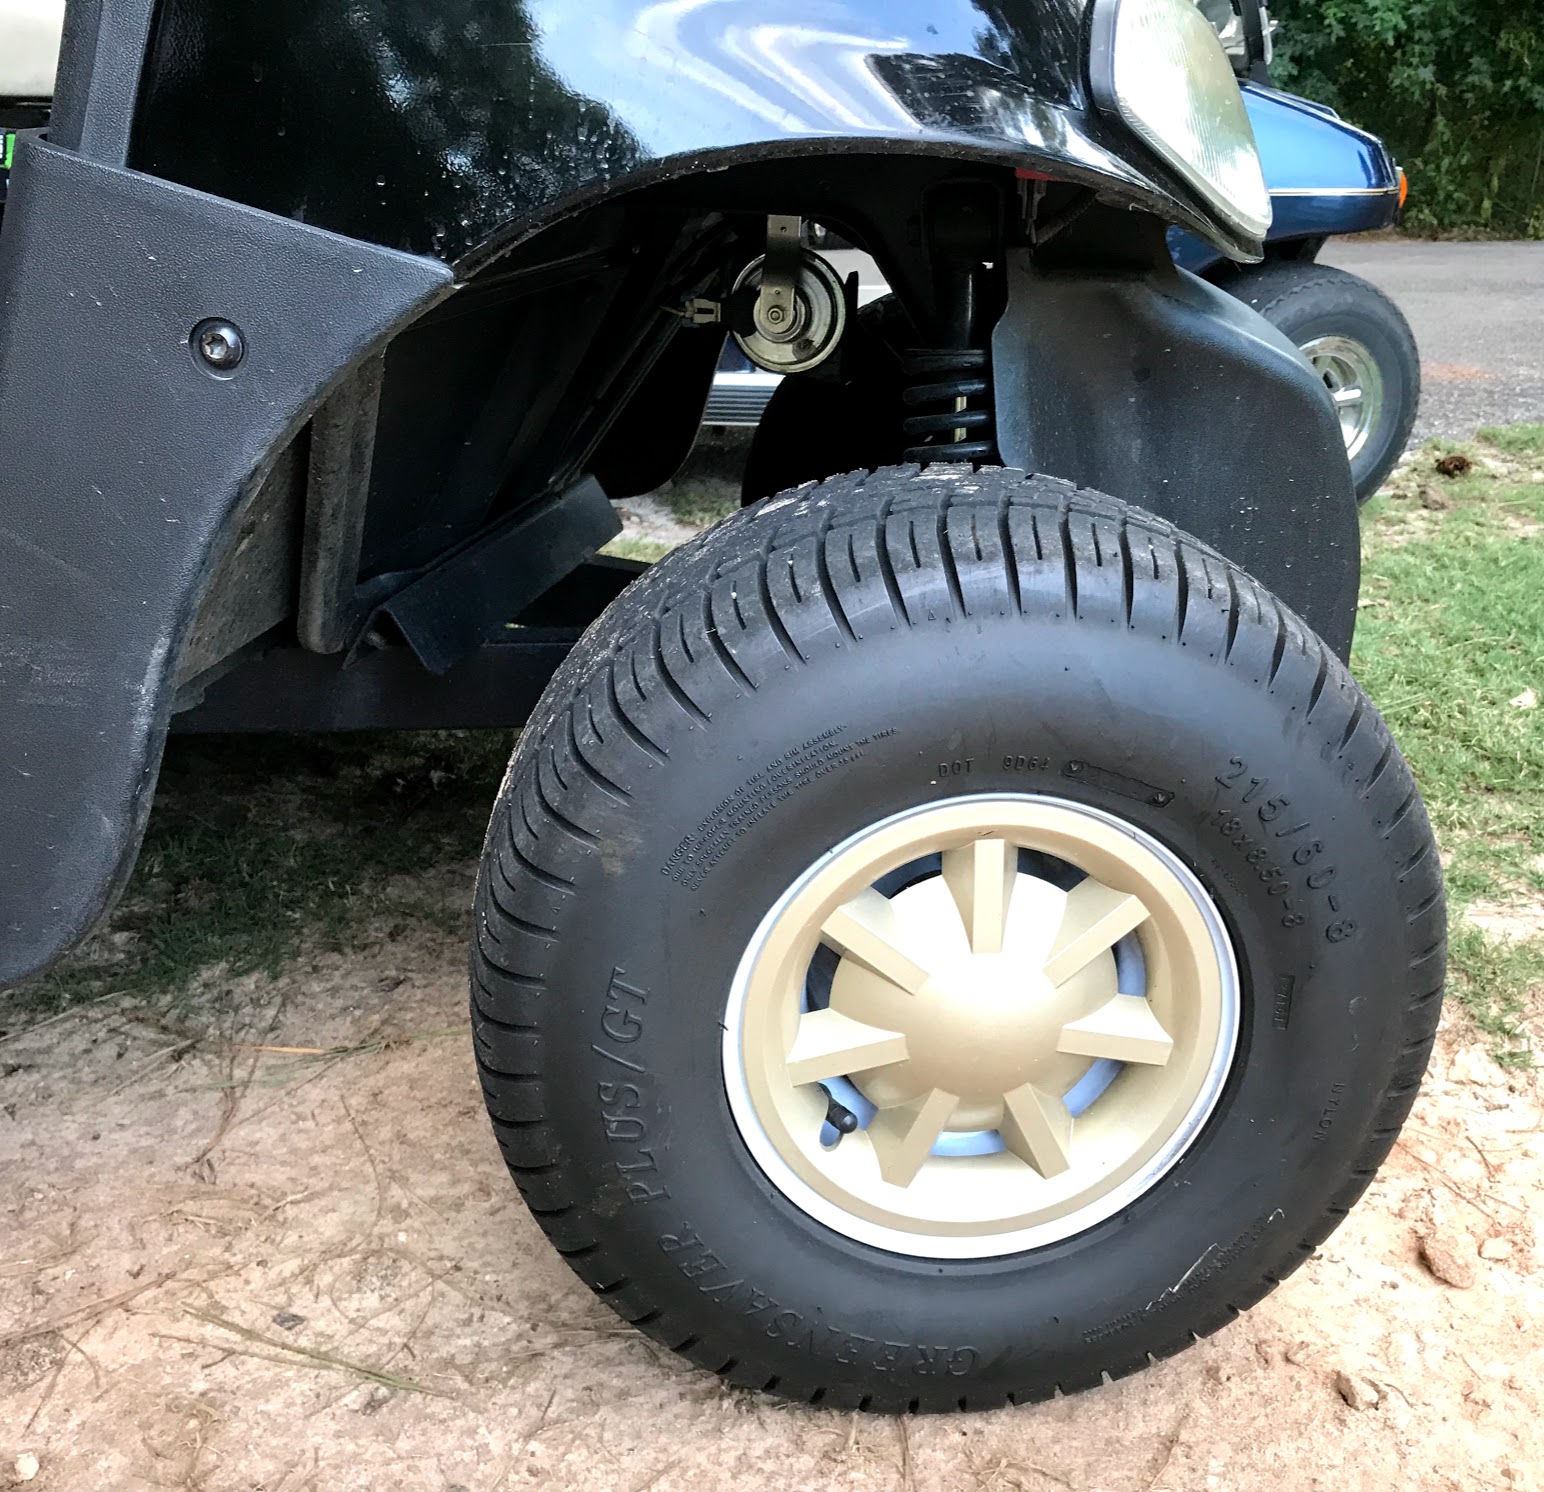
(970,1014)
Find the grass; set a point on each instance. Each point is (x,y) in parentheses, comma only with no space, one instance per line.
(257,845)
(1450,644)
(261,846)
(701,501)
(628,547)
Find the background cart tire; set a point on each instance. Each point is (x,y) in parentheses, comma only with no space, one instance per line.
(930,650)
(1361,345)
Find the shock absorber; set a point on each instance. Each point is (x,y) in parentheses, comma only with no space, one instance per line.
(952,391)
(948,392)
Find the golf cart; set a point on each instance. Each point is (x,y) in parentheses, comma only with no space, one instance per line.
(952,933)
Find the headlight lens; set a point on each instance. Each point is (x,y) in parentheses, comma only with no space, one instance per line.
(1159,66)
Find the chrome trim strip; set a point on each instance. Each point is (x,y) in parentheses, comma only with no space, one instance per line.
(1389,191)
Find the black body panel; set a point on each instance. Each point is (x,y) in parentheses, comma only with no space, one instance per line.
(1156,387)
(124,458)
(446,126)
(100,55)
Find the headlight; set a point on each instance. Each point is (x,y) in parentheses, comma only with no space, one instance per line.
(1158,65)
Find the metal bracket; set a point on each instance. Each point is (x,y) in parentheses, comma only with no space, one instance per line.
(776,314)
(700,311)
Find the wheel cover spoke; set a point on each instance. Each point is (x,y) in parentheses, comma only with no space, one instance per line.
(1096,919)
(867,929)
(904,1136)
(1123,1029)
(832,1045)
(980,877)
(1038,1129)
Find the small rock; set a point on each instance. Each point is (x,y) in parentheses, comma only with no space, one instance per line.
(1454,464)
(1496,1249)
(1450,1257)
(1438,502)
(1527,700)
(26,1466)
(288,1320)
(1358,1392)
(378,1396)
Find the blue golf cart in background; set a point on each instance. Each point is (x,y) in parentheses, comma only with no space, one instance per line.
(1326,179)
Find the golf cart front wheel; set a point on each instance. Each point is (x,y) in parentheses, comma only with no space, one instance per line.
(946,938)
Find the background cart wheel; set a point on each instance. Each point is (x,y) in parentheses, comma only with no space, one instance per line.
(945,938)
(1361,346)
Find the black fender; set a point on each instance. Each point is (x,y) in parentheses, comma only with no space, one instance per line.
(1154,386)
(451,127)
(322,172)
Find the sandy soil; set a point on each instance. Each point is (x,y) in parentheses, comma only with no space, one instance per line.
(204,1240)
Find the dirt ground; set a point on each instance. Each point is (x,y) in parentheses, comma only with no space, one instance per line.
(230,1264)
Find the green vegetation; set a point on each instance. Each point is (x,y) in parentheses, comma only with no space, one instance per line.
(1450,644)
(699,501)
(1455,87)
(627,547)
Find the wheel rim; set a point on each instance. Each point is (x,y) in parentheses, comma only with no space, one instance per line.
(1026,1006)
(1351,375)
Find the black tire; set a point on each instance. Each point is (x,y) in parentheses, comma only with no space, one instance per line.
(1305,301)
(1039,621)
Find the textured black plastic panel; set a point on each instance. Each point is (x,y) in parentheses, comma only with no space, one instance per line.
(1160,389)
(123,458)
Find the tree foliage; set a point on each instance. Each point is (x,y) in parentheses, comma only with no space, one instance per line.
(1455,87)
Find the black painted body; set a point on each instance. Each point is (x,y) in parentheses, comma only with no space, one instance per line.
(446,126)
(499,206)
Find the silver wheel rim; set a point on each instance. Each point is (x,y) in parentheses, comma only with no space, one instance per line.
(1029,1010)
(1351,375)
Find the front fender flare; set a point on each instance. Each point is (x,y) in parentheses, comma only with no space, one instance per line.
(1156,387)
(382,120)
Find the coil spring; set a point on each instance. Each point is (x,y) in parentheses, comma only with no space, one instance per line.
(958,380)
